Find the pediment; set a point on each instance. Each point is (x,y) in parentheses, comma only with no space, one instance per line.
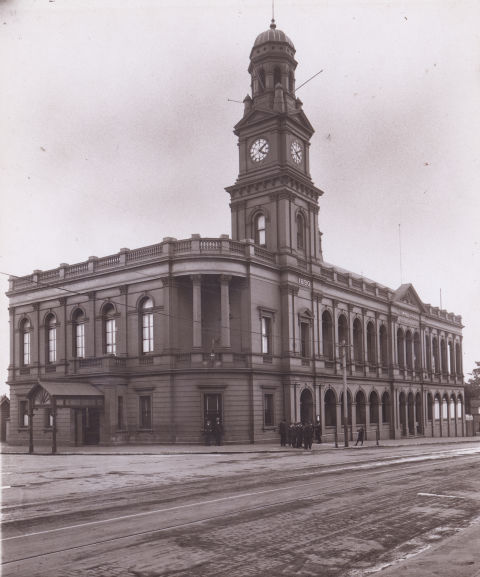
(407,295)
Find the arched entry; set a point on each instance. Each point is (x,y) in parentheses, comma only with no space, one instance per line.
(330,409)
(402,401)
(306,406)
(411,418)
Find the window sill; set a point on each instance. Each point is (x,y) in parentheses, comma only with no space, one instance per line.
(269,428)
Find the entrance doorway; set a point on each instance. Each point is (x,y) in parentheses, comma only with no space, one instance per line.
(306,406)
(87,426)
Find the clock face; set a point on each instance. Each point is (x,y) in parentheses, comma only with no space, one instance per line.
(259,149)
(296,152)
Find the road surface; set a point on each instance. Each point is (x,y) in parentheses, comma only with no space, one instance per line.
(348,513)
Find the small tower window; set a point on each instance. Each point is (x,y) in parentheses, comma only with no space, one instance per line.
(291,82)
(260,230)
(277,76)
(261,80)
(300,232)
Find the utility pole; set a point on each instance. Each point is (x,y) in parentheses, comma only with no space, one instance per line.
(344,346)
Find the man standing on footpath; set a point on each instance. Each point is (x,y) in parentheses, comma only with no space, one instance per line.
(283,427)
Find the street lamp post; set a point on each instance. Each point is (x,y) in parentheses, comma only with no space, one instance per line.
(343,346)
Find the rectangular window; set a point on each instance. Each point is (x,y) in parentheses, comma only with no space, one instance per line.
(23,413)
(147,333)
(80,341)
(436,407)
(48,418)
(266,335)
(110,337)
(52,345)
(145,412)
(304,340)
(120,413)
(26,348)
(212,406)
(268,411)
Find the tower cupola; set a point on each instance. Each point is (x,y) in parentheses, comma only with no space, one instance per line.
(272,66)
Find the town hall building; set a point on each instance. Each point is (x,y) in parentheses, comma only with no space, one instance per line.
(146,345)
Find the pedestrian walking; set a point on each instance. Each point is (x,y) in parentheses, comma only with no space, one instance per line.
(218,430)
(360,436)
(308,435)
(283,427)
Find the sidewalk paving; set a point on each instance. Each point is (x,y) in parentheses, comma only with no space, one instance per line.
(178,449)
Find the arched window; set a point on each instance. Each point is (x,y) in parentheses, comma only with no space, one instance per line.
(443,354)
(452,407)
(330,409)
(373,407)
(371,343)
(291,82)
(78,334)
(261,80)
(417,352)
(300,232)
(408,342)
(435,363)
(349,408)
(357,341)
(360,408)
(429,407)
(451,358)
(444,407)
(146,308)
(428,352)
(260,230)
(51,338)
(458,359)
(385,408)
(109,329)
(436,408)
(277,76)
(25,331)
(459,408)
(327,332)
(343,332)
(401,348)
(383,346)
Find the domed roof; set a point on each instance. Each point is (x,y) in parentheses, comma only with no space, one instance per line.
(273,35)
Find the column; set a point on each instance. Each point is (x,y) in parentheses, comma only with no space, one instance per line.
(35,346)
(414,415)
(317,326)
(225,311)
(378,356)
(336,351)
(350,355)
(13,344)
(62,332)
(365,342)
(197,310)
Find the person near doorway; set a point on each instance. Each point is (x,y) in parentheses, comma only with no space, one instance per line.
(283,428)
(360,435)
(208,431)
(218,430)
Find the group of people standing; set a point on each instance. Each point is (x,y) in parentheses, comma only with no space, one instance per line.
(213,432)
(299,435)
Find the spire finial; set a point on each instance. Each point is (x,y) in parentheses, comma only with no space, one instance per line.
(272,23)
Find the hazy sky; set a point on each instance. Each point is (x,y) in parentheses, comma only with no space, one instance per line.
(116,131)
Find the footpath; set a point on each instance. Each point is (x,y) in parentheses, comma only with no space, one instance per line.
(165,449)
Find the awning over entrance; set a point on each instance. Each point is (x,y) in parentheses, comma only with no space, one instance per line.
(66,394)
(61,394)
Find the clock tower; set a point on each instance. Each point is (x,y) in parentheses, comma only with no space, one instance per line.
(274,201)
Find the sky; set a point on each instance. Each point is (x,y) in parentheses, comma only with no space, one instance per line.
(116,131)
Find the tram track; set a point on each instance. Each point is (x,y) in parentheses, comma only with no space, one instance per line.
(323,498)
